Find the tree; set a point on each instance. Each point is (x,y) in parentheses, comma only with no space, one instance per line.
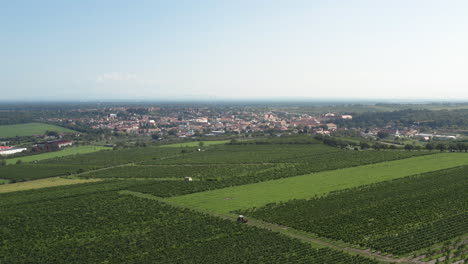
(409,147)
(441,147)
(382,134)
(429,146)
(19,161)
(364,145)
(201,144)
(3,163)
(52,133)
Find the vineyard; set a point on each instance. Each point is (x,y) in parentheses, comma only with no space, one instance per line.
(214,176)
(106,227)
(306,186)
(83,162)
(28,171)
(255,162)
(281,153)
(397,217)
(65,152)
(179,171)
(370,199)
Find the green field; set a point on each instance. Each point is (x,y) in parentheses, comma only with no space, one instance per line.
(87,224)
(7,131)
(195,144)
(310,185)
(2,181)
(42,183)
(62,153)
(392,216)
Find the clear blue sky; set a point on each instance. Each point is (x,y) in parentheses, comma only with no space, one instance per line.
(99,49)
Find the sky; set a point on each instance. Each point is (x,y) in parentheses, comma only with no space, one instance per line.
(243,49)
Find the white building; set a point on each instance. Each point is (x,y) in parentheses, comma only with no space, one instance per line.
(11,151)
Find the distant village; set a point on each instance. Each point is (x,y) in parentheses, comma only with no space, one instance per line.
(181,123)
(203,122)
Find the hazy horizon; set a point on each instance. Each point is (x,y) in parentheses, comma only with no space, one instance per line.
(244,50)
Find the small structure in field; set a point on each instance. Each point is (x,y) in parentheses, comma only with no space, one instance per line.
(241,219)
(188,179)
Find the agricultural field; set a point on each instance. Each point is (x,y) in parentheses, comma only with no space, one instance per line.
(118,157)
(398,216)
(42,183)
(8,131)
(213,172)
(30,171)
(2,181)
(131,205)
(195,144)
(287,167)
(310,185)
(62,153)
(283,153)
(230,154)
(80,163)
(110,228)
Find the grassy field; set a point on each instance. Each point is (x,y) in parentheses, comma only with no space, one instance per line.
(62,153)
(29,129)
(307,186)
(4,181)
(43,183)
(195,144)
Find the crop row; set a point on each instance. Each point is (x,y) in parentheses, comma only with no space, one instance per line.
(397,216)
(29,171)
(109,228)
(83,162)
(236,154)
(116,157)
(179,171)
(36,196)
(312,158)
(298,166)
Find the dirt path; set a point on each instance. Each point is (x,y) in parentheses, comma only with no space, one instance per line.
(304,236)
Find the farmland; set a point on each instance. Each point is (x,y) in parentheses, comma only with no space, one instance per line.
(79,163)
(194,144)
(110,228)
(179,171)
(43,183)
(306,159)
(28,171)
(398,216)
(267,180)
(56,154)
(7,131)
(310,185)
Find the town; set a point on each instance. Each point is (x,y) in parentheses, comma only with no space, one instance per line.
(114,126)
